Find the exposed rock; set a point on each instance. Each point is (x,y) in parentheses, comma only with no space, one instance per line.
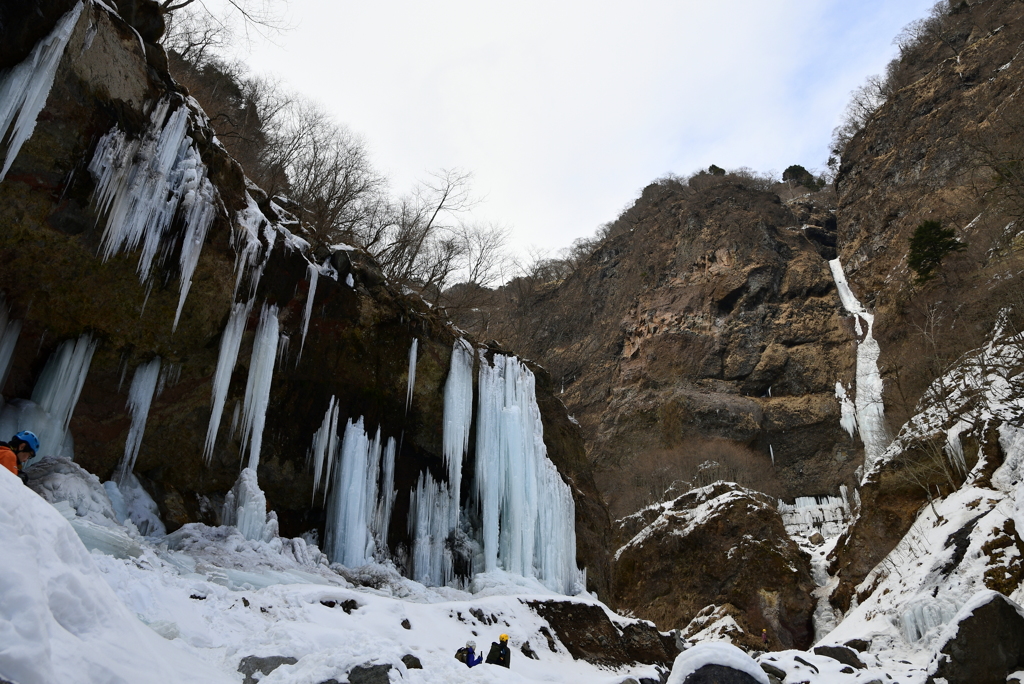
(984,644)
(250,665)
(370,674)
(773,671)
(412,662)
(528,651)
(588,634)
(721,544)
(719,674)
(847,656)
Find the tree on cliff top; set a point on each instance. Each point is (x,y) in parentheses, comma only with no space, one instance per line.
(929,245)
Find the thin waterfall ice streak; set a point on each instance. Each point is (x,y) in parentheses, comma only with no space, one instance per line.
(348,538)
(9,332)
(527,511)
(868,399)
(386,501)
(25,87)
(313,273)
(58,388)
(140,398)
(230,341)
(257,386)
(412,373)
(848,412)
(458,418)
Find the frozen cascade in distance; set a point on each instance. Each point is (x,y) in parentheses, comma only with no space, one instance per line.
(245,507)
(58,387)
(9,332)
(848,412)
(25,87)
(809,514)
(140,398)
(230,341)
(348,538)
(528,514)
(141,185)
(257,387)
(313,273)
(412,373)
(868,398)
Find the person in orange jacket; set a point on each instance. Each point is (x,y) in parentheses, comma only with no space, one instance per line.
(20,449)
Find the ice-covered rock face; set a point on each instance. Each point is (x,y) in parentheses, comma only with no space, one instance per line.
(153,249)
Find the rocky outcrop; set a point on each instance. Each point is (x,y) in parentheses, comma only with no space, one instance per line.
(721,545)
(706,322)
(354,346)
(984,645)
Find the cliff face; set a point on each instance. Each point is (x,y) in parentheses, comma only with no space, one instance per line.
(345,332)
(708,328)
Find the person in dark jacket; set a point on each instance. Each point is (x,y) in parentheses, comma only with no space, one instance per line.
(467,654)
(499,653)
(22,447)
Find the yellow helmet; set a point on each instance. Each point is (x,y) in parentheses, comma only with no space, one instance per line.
(503,637)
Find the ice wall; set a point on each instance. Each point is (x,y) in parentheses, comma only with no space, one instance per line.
(868,399)
(348,536)
(828,515)
(429,515)
(140,398)
(25,88)
(458,419)
(527,511)
(143,184)
(57,390)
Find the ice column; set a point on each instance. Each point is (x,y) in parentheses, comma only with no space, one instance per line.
(140,398)
(458,418)
(325,448)
(429,518)
(230,341)
(57,390)
(141,185)
(412,373)
(348,538)
(257,387)
(382,516)
(868,398)
(25,87)
(527,510)
(9,332)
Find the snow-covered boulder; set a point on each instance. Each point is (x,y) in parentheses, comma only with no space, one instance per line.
(984,643)
(716,663)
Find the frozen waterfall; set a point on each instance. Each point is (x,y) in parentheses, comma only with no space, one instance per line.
(528,514)
(230,341)
(868,397)
(429,515)
(313,273)
(57,390)
(25,88)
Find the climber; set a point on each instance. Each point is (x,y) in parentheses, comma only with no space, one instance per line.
(22,447)
(467,654)
(499,653)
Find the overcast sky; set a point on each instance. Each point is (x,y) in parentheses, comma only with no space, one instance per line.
(564,110)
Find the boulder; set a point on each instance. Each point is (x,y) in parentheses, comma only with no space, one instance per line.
(722,545)
(716,663)
(984,643)
(847,656)
(250,665)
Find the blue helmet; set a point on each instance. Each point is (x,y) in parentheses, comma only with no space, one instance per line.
(29,438)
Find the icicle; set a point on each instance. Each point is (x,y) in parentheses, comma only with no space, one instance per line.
(9,332)
(432,562)
(249,222)
(283,344)
(230,340)
(313,273)
(382,516)
(771,451)
(257,387)
(325,447)
(412,373)
(348,539)
(58,388)
(527,510)
(141,185)
(868,399)
(140,398)
(25,88)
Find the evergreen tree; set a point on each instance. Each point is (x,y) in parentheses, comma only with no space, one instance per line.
(929,245)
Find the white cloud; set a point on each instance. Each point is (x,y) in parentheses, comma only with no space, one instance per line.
(564,110)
